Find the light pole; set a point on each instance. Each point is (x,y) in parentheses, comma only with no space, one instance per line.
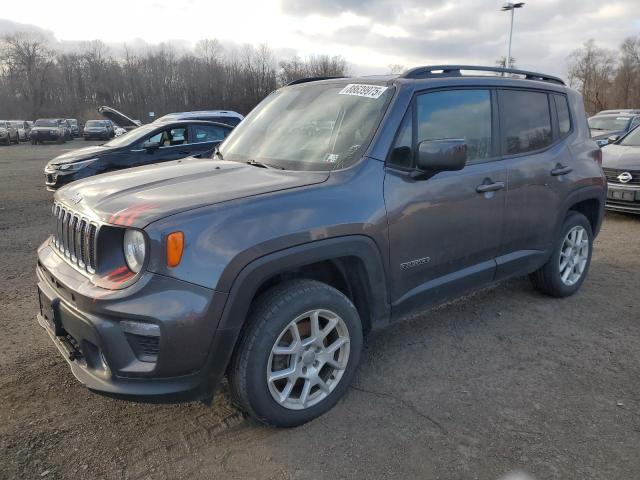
(505,8)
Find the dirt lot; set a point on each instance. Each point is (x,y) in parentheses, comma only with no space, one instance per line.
(504,381)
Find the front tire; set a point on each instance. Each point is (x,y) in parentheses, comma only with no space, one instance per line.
(568,265)
(298,354)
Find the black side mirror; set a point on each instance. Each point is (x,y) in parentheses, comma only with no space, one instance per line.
(151,146)
(613,138)
(442,155)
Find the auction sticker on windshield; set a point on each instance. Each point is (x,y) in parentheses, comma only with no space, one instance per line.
(363,90)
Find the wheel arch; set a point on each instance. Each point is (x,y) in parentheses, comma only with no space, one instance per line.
(590,202)
(352,264)
(355,258)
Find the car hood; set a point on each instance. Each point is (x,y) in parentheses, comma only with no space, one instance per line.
(118,118)
(79,154)
(603,134)
(621,157)
(139,196)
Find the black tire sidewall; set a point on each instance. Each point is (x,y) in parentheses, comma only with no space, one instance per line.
(258,394)
(573,220)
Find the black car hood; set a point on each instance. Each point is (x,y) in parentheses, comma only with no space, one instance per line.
(621,157)
(139,196)
(79,154)
(602,134)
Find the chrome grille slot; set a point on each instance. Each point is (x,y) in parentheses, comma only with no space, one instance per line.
(65,233)
(613,173)
(75,238)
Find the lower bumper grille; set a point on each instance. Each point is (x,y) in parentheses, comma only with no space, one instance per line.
(76,238)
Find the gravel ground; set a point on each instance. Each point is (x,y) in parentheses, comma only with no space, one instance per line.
(500,382)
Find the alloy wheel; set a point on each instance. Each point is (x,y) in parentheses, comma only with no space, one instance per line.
(308,359)
(574,254)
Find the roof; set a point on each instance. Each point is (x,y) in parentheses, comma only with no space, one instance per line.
(195,113)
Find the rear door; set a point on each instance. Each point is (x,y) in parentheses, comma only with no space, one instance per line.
(204,138)
(445,230)
(534,130)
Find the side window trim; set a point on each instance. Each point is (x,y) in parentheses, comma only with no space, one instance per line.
(555,123)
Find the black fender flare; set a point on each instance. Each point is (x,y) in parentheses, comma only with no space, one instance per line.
(255,273)
(590,192)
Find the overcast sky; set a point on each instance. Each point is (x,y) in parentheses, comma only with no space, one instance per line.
(370,34)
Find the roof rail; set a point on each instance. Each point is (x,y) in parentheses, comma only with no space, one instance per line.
(436,71)
(310,79)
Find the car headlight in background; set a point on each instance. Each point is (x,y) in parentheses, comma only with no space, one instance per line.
(134,249)
(72,167)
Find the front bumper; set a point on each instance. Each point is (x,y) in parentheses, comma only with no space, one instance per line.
(100,135)
(106,358)
(623,198)
(42,136)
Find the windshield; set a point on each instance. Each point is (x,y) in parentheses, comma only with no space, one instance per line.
(632,139)
(609,123)
(46,123)
(309,127)
(94,123)
(132,136)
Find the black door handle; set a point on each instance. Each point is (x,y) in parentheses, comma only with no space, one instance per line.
(185,152)
(561,170)
(490,187)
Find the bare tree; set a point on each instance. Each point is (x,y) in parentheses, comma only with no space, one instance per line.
(37,81)
(28,64)
(592,70)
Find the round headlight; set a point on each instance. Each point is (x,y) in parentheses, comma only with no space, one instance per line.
(134,249)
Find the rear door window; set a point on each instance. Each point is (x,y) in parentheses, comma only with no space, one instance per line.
(208,133)
(525,121)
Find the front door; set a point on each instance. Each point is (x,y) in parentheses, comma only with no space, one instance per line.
(446,230)
(170,143)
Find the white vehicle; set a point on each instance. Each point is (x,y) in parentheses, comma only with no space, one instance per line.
(119,131)
(22,128)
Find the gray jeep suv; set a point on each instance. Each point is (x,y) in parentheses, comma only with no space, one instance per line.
(335,208)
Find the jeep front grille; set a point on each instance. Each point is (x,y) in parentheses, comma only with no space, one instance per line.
(75,237)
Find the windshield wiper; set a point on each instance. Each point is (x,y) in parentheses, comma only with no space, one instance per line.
(255,163)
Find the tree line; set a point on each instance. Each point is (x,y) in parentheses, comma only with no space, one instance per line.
(38,81)
(607,79)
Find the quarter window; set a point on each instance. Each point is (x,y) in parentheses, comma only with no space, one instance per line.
(564,120)
(401,153)
(526,121)
(464,114)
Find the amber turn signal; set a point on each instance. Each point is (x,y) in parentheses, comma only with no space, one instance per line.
(175,246)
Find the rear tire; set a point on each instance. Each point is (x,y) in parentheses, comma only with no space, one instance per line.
(320,359)
(568,265)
